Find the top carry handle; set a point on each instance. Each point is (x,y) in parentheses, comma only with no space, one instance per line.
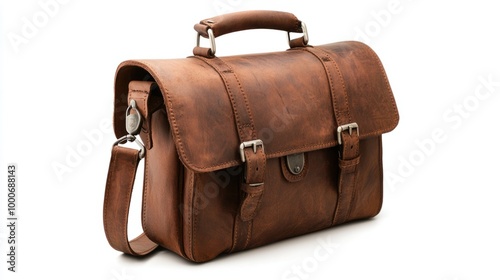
(217,26)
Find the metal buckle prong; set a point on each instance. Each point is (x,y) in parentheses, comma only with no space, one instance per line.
(253,144)
(345,127)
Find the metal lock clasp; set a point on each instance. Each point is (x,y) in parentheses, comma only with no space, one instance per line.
(133,121)
(295,163)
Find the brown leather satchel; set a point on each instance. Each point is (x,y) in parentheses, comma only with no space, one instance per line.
(247,150)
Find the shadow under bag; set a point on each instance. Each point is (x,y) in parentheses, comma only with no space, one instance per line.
(246,150)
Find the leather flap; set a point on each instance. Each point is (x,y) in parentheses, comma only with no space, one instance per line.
(288,95)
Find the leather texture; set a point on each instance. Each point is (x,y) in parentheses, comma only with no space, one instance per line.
(120,182)
(239,21)
(234,22)
(217,131)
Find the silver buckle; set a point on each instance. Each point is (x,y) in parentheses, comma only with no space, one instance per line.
(253,144)
(345,127)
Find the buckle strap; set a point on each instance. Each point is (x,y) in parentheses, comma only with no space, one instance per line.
(253,185)
(348,162)
(348,141)
(251,193)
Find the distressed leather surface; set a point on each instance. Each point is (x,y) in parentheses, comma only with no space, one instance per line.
(193,185)
(287,91)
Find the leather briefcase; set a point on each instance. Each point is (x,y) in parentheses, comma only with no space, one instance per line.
(247,150)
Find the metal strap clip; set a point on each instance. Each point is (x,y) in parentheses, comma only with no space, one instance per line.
(133,122)
(131,138)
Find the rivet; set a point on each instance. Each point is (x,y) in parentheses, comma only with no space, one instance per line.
(297,169)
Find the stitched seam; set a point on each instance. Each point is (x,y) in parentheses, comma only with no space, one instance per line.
(145,195)
(343,206)
(388,87)
(346,101)
(268,156)
(188,212)
(179,190)
(233,101)
(277,154)
(239,127)
(263,156)
(180,144)
(138,90)
(381,174)
(235,236)
(330,81)
(347,175)
(229,91)
(108,187)
(245,99)
(334,99)
(146,113)
(354,176)
(352,194)
(339,199)
(195,217)
(248,198)
(190,215)
(249,233)
(340,203)
(260,195)
(349,165)
(125,218)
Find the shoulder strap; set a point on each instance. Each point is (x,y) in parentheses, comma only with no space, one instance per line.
(119,185)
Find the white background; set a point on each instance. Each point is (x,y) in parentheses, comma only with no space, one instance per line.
(440,218)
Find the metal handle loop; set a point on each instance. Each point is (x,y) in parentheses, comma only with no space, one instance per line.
(305,36)
(211,37)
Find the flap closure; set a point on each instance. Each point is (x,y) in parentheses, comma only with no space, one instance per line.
(288,94)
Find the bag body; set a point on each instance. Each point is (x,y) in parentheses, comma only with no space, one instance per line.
(247,150)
